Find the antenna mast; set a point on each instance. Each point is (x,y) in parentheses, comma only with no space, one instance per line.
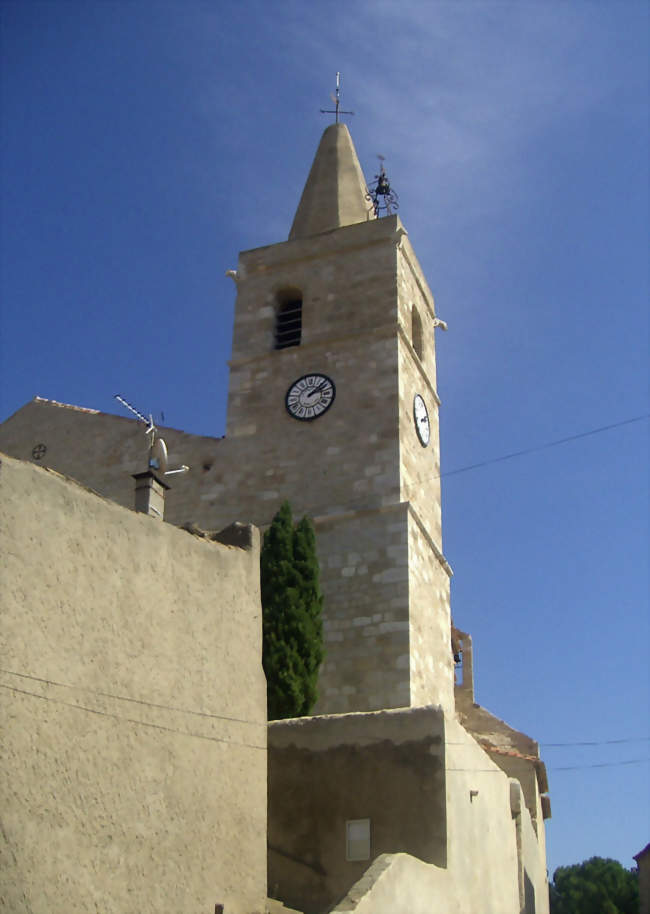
(157,446)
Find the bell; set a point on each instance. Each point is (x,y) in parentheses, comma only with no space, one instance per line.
(383,187)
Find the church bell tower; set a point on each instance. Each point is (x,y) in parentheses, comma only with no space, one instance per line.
(333,406)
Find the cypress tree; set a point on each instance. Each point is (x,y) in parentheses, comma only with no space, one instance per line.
(291,606)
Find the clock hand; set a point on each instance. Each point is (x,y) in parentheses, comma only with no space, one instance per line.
(318,389)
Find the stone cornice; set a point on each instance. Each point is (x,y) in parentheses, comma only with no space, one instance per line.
(274,256)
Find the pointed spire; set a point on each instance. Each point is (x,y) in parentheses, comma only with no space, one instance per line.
(335,192)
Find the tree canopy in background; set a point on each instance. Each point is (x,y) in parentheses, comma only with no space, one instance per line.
(596,886)
(291,605)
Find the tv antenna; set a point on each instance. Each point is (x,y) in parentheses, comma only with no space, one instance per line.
(157,447)
(337,100)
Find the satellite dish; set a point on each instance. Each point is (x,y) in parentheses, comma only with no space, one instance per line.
(158,450)
(158,456)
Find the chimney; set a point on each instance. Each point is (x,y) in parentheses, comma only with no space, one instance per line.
(150,494)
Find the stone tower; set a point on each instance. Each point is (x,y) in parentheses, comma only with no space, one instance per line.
(333,405)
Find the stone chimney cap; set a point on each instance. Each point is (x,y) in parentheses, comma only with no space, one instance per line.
(149,474)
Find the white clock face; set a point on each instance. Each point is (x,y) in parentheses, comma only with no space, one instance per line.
(310,396)
(421,419)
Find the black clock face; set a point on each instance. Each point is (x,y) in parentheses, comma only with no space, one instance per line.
(310,396)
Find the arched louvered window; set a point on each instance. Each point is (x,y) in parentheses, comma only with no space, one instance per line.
(288,319)
(416,333)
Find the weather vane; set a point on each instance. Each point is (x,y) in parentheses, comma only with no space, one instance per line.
(383,198)
(337,100)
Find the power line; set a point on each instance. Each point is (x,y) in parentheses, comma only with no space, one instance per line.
(216,739)
(240,720)
(630,761)
(139,701)
(362,500)
(130,720)
(498,770)
(600,742)
(569,744)
(542,447)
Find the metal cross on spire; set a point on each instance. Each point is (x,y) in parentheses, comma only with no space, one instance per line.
(336,99)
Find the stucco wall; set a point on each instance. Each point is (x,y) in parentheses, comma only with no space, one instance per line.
(134,702)
(387,766)
(533,880)
(484,855)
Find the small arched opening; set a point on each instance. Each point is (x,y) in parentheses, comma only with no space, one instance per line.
(416,333)
(288,318)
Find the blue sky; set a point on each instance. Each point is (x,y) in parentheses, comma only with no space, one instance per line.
(144,144)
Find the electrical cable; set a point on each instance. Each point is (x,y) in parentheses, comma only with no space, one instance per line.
(632,761)
(150,704)
(362,501)
(601,742)
(569,744)
(542,447)
(130,720)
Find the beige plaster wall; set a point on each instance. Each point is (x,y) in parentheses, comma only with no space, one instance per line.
(387,766)
(485,852)
(513,751)
(482,858)
(533,879)
(134,746)
(449,828)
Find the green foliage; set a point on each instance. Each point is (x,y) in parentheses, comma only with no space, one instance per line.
(597,886)
(291,605)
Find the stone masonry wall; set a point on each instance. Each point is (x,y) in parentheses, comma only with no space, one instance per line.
(359,284)
(364,572)
(432,667)
(419,466)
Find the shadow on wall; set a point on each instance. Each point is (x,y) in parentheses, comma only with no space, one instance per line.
(344,789)
(529,895)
